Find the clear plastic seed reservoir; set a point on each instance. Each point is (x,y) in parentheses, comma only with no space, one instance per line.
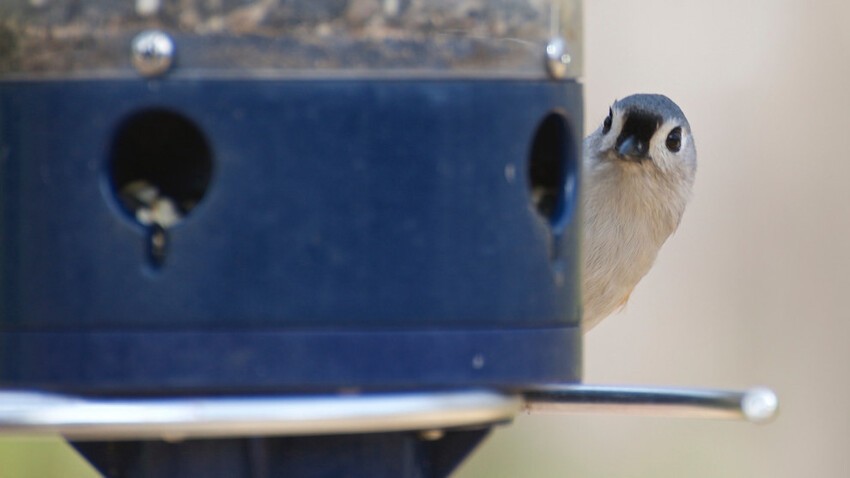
(295,37)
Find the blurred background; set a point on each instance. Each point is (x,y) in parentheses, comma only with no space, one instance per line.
(752,288)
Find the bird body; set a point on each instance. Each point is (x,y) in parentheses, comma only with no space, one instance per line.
(639,168)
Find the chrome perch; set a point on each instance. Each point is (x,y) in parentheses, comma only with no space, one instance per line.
(81,418)
(757,405)
(175,419)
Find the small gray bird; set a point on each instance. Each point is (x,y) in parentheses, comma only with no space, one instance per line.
(639,168)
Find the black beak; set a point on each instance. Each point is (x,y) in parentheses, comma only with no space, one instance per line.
(633,148)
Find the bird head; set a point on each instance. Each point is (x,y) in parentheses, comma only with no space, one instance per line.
(646,131)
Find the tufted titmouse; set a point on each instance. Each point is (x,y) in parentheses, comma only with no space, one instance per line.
(639,168)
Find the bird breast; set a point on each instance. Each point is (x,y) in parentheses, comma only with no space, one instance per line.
(630,210)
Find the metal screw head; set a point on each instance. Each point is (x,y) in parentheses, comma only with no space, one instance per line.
(152,52)
(557,58)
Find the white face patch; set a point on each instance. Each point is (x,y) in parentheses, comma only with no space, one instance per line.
(608,140)
(662,156)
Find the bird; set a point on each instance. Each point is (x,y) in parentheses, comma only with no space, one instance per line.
(638,174)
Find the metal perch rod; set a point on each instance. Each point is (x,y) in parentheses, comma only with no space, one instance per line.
(82,418)
(756,405)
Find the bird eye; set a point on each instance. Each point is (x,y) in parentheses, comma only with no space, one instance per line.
(674,140)
(606,125)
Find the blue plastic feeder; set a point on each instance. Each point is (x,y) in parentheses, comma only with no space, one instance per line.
(246,201)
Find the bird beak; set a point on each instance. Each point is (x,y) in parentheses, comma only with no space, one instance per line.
(633,148)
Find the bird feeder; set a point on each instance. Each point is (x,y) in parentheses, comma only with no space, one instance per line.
(290,238)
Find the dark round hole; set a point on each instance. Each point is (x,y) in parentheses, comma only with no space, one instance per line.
(551,167)
(160,166)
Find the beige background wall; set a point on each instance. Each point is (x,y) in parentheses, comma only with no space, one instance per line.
(754,288)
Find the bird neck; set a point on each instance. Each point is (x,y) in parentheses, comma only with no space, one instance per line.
(634,196)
